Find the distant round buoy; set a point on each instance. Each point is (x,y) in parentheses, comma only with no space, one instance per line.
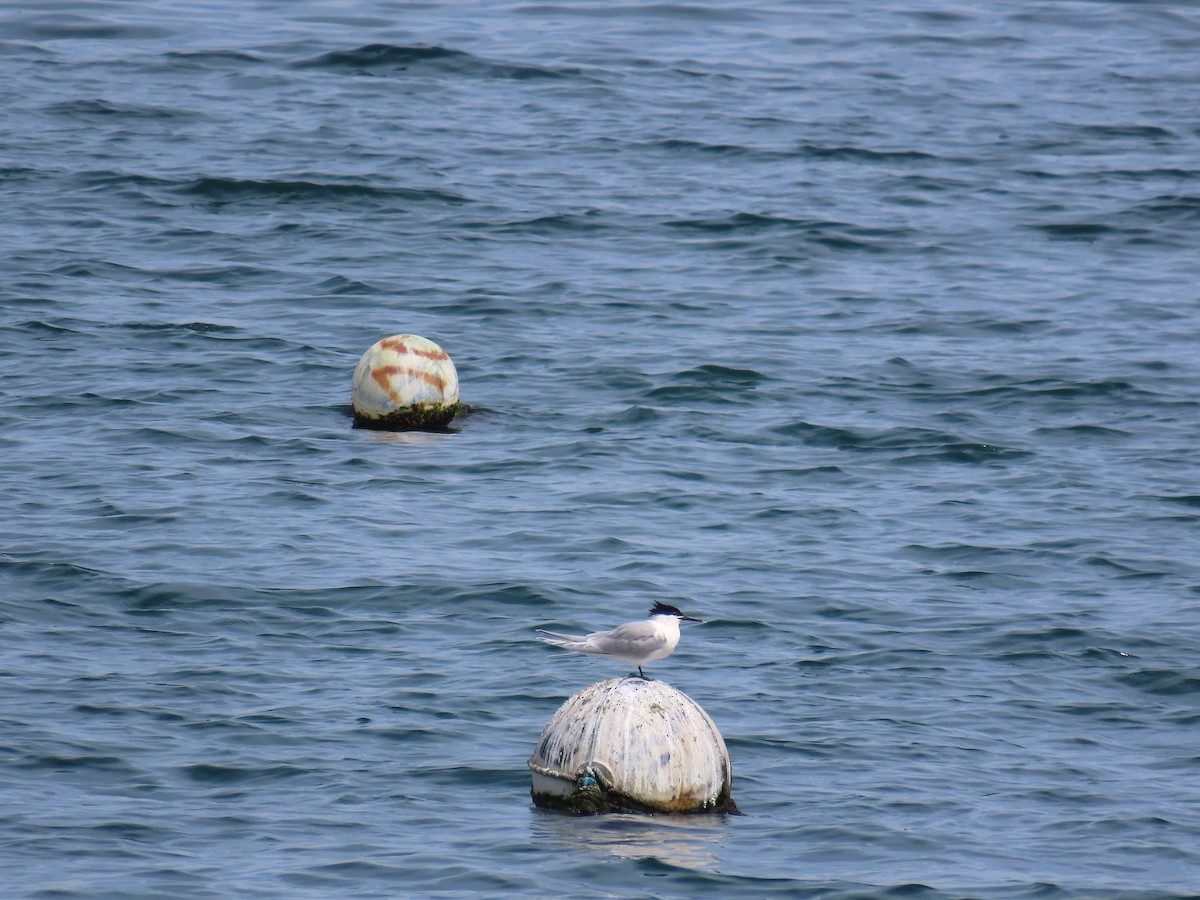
(405,382)
(630,745)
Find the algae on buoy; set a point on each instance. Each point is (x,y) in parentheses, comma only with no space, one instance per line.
(632,745)
(405,382)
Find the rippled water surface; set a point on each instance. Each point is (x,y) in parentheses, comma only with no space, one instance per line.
(865,331)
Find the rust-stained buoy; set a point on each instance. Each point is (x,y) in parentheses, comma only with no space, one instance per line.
(405,382)
(632,745)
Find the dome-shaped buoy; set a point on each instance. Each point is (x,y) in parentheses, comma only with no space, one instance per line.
(632,745)
(405,382)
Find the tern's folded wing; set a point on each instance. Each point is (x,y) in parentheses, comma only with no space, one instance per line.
(636,638)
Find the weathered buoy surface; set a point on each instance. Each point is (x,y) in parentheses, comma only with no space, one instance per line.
(630,745)
(403,382)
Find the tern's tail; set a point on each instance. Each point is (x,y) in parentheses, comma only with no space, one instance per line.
(558,640)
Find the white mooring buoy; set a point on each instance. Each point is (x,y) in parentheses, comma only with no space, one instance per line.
(632,745)
(405,382)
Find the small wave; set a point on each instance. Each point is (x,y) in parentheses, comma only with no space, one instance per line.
(588,222)
(106,109)
(14,175)
(706,385)
(394,58)
(1077,231)
(230,189)
(1189,500)
(163,597)
(962,553)
(341,286)
(1178,208)
(1125,570)
(213,58)
(864,154)
(1159,220)
(1057,638)
(1010,326)
(1163,682)
(45,329)
(130,831)
(173,327)
(686,11)
(680,146)
(634,415)
(712,374)
(702,147)
(209,773)
(744,221)
(72,27)
(1089,176)
(681,393)
(814,435)
(825,233)
(381,56)
(1121,132)
(220,189)
(936,445)
(359,871)
(98,269)
(1051,391)
(1153,174)
(81,762)
(50,571)
(1104,387)
(110,181)
(505,594)
(1088,433)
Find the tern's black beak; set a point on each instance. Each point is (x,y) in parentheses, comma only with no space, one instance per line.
(691,619)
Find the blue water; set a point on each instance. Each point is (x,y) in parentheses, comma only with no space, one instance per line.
(865,331)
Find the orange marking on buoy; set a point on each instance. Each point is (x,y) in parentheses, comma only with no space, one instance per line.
(383,377)
(402,348)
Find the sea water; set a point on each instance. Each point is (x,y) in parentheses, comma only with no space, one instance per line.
(866,332)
